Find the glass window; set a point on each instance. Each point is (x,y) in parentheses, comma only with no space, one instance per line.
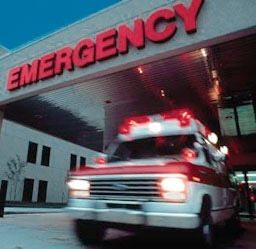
(82,162)
(46,152)
(152,147)
(246,119)
(73,162)
(28,190)
(32,152)
(42,191)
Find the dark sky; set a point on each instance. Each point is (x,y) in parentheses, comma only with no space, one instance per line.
(23,21)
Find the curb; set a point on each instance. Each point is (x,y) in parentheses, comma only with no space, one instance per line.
(31,211)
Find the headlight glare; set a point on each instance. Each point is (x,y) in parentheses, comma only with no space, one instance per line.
(78,184)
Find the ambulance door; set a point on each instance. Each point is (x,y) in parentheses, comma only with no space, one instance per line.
(217,191)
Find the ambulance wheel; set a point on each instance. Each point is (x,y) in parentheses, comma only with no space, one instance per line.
(206,229)
(206,235)
(88,233)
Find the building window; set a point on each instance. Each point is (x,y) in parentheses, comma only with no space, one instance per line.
(42,191)
(32,152)
(28,190)
(3,191)
(237,116)
(72,162)
(46,152)
(82,162)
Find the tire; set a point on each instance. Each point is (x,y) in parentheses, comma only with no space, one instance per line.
(207,235)
(88,233)
(206,229)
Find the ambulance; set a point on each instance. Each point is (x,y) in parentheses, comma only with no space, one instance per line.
(162,171)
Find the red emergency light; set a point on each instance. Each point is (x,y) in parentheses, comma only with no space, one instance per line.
(184,116)
(124,129)
(189,154)
(100,160)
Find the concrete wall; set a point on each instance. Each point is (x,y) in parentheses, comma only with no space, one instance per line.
(218,21)
(1,120)
(14,142)
(3,51)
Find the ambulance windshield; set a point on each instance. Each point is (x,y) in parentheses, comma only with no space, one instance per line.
(153,147)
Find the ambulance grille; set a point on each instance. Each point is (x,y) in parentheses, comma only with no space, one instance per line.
(126,188)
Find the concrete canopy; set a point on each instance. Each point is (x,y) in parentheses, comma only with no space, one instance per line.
(3,51)
(86,98)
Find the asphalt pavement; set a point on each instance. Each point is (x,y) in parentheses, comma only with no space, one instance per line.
(55,231)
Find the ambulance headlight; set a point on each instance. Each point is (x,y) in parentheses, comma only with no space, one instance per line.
(174,188)
(78,188)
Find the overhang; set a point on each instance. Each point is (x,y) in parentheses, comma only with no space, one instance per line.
(83,104)
(216,23)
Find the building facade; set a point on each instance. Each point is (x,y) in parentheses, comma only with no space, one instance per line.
(36,165)
(140,57)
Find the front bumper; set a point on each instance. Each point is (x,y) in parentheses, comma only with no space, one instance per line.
(98,211)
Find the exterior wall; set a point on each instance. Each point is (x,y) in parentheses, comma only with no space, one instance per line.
(3,51)
(216,23)
(14,142)
(1,120)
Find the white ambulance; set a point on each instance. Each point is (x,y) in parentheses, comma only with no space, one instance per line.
(163,170)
